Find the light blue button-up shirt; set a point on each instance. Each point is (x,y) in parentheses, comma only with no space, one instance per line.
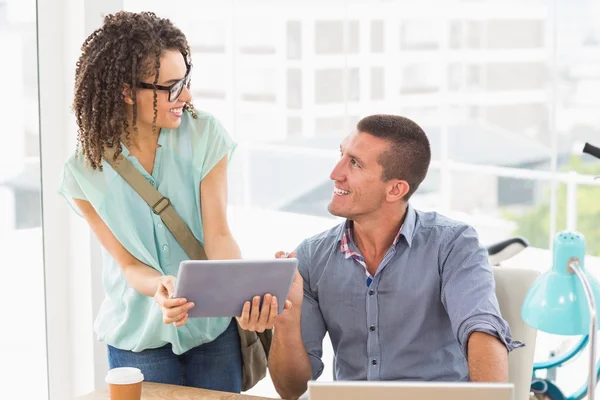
(433,288)
(127,319)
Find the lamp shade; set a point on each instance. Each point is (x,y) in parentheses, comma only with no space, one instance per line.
(556,302)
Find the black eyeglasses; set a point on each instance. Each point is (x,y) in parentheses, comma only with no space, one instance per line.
(174,89)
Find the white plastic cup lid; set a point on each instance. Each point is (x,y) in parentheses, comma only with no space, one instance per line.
(124,376)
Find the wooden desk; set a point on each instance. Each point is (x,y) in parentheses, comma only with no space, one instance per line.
(158,391)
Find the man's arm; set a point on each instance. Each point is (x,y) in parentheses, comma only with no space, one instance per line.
(295,355)
(289,364)
(487,358)
(469,296)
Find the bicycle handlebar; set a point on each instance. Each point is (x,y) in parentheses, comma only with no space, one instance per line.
(591,150)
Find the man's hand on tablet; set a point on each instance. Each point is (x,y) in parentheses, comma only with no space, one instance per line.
(297,290)
(252,320)
(257,318)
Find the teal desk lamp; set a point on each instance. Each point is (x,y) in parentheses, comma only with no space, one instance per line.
(563,300)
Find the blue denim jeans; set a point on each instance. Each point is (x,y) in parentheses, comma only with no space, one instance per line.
(216,365)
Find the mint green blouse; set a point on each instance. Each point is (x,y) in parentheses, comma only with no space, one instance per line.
(127,319)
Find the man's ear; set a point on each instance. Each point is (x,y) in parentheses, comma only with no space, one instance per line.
(127,96)
(397,190)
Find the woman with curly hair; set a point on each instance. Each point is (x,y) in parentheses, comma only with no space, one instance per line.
(132,98)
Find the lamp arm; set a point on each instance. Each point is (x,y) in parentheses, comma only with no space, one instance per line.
(561,359)
(589,294)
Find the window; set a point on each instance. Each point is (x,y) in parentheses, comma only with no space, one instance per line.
(353,85)
(294,88)
(530,120)
(329,86)
(329,37)
(329,125)
(474,79)
(419,35)
(353,37)
(420,78)
(456,77)
(256,36)
(511,34)
(464,77)
(516,76)
(258,85)
(456,34)
(208,37)
(377,83)
(474,35)
(209,80)
(294,40)
(377,37)
(294,127)
(423,113)
(21,236)
(351,122)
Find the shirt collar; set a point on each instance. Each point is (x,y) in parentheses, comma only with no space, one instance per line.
(409,225)
(407,230)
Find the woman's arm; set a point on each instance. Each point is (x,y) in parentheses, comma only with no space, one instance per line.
(219,243)
(141,277)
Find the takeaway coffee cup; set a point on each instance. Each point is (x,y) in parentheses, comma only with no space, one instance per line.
(125,383)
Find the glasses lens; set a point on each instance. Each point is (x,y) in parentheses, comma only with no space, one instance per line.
(176,91)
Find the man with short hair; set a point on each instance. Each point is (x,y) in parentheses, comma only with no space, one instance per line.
(404,294)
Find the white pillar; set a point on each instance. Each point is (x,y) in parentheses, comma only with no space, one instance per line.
(52,39)
(94,362)
(71,282)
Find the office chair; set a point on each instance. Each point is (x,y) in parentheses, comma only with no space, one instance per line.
(511,287)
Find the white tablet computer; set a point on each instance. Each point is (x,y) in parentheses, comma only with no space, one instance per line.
(219,288)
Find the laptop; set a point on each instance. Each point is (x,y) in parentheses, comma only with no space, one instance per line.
(363,390)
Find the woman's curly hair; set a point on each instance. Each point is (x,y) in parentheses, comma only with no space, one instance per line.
(125,50)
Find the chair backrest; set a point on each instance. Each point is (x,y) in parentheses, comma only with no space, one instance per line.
(511,287)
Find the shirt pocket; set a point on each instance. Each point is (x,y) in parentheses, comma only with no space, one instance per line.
(343,301)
